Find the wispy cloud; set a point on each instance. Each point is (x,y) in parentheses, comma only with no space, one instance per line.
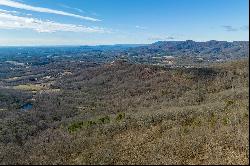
(72,8)
(140,27)
(161,38)
(10,21)
(14,4)
(245,28)
(7,11)
(229,28)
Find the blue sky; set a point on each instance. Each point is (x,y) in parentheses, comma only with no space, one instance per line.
(94,22)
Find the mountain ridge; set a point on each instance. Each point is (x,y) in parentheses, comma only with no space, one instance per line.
(212,48)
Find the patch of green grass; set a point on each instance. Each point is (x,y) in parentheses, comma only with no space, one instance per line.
(90,123)
(104,120)
(75,126)
(79,125)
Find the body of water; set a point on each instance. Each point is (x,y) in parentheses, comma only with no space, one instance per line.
(27,107)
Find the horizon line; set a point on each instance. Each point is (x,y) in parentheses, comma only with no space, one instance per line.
(96,45)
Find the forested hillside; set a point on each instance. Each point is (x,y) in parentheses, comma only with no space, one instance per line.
(124,113)
(210,49)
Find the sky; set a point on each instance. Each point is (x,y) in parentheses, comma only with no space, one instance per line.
(105,22)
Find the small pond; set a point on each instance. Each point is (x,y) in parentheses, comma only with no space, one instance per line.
(27,107)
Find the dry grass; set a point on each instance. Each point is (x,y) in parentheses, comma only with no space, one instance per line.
(36,88)
(30,87)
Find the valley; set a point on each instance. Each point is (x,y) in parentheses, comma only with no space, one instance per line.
(105,107)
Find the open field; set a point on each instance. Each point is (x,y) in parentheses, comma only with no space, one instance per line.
(30,87)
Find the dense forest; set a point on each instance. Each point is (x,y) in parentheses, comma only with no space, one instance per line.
(121,112)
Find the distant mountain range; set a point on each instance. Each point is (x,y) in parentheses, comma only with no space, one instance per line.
(112,47)
(209,49)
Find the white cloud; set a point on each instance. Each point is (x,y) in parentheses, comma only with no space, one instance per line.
(161,38)
(140,27)
(19,5)
(9,21)
(72,8)
(229,28)
(6,11)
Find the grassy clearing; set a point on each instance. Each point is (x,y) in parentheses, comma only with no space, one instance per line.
(76,126)
(30,87)
(35,88)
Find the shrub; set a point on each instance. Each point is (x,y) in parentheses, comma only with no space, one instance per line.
(120,116)
(104,120)
(226,120)
(229,102)
(90,123)
(246,115)
(75,126)
(213,119)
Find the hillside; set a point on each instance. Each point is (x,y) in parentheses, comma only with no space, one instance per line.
(211,50)
(123,113)
(146,82)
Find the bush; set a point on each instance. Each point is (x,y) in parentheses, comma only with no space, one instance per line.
(229,102)
(104,120)
(120,116)
(226,120)
(90,123)
(79,125)
(75,126)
